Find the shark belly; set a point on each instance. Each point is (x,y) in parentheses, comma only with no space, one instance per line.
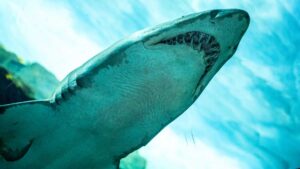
(129,103)
(123,109)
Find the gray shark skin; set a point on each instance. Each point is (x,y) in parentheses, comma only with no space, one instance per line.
(120,99)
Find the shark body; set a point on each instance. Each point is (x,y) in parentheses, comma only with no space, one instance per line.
(121,98)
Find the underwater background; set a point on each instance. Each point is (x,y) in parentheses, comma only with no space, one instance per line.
(248,117)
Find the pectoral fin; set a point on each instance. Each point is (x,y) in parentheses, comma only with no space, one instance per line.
(21,124)
(10,154)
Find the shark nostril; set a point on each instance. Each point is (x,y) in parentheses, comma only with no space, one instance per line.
(214,13)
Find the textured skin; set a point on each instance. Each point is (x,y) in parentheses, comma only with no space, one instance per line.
(120,99)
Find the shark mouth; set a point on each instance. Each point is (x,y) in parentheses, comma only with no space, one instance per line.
(198,41)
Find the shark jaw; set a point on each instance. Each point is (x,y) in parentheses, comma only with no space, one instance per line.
(214,34)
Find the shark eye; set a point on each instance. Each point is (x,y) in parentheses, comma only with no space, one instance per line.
(199,41)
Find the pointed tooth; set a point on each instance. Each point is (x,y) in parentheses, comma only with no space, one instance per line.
(180,39)
(196,40)
(163,41)
(210,61)
(211,39)
(174,41)
(211,52)
(187,38)
(203,39)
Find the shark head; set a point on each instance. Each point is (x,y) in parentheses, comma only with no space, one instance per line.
(212,35)
(161,71)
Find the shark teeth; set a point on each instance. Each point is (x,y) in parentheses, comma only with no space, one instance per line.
(198,41)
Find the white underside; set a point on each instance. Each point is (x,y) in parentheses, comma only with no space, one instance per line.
(124,109)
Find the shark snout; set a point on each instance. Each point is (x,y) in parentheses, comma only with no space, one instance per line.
(228,27)
(216,14)
(231,25)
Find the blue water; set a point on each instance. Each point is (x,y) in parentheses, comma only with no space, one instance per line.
(247,117)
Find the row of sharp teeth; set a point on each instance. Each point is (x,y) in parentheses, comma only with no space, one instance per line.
(199,41)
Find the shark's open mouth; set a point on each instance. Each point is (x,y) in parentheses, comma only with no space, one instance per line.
(198,41)
(201,42)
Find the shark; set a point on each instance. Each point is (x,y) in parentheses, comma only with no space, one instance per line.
(121,98)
